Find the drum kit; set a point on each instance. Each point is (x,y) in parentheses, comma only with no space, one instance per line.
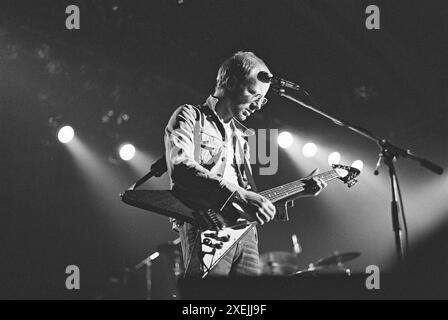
(285,263)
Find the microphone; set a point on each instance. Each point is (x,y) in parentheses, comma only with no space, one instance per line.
(265,77)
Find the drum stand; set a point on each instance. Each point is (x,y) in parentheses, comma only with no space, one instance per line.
(339,267)
(147,263)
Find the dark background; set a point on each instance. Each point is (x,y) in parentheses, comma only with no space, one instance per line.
(60,204)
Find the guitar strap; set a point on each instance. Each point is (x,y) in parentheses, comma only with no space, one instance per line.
(159,167)
(250,177)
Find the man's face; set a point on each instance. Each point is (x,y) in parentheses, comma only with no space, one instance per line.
(247,97)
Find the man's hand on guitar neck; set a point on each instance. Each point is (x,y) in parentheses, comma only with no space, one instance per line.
(255,207)
(313,185)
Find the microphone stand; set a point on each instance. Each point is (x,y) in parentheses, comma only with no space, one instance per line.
(389,153)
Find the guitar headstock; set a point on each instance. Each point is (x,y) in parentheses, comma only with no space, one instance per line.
(347,174)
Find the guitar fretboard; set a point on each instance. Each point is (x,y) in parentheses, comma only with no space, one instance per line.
(294,187)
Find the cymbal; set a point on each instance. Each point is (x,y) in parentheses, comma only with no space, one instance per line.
(279,263)
(337,258)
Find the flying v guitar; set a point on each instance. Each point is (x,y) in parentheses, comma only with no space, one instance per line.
(221,230)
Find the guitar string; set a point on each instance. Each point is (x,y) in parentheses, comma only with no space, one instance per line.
(278,195)
(324,175)
(280,192)
(327,175)
(293,186)
(290,188)
(283,191)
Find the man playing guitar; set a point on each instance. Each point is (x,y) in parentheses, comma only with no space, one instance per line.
(207,157)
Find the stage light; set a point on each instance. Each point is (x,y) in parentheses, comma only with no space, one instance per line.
(309,150)
(358,164)
(127,152)
(285,139)
(334,158)
(66,134)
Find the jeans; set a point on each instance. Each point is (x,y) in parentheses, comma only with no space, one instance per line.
(242,260)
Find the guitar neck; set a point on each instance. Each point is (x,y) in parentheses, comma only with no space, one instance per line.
(295,187)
